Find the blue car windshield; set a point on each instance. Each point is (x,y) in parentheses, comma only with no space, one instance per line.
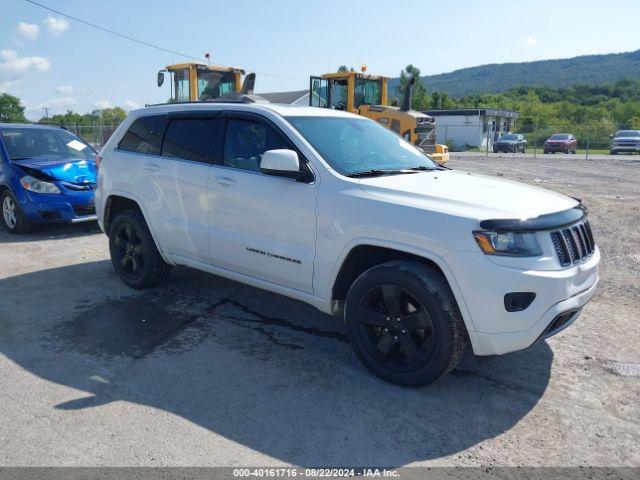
(352,145)
(28,143)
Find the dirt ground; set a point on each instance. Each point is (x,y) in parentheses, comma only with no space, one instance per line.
(208,372)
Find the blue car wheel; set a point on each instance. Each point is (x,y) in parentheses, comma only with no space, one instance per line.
(12,217)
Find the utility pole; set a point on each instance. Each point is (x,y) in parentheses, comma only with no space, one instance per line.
(46,112)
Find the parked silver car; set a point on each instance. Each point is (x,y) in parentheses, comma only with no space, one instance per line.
(627,141)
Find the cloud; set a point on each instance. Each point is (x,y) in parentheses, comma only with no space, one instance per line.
(56,26)
(130,105)
(60,103)
(7,85)
(531,41)
(28,31)
(11,63)
(69,89)
(102,104)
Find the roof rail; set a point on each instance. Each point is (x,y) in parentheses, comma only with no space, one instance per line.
(231,98)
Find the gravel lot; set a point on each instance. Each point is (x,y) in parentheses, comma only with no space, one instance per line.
(207,372)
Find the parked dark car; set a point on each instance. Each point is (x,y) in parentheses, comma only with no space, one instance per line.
(47,175)
(561,142)
(510,142)
(627,141)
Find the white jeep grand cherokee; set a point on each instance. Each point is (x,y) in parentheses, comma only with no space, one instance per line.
(337,211)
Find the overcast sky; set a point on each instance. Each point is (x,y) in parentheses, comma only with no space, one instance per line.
(49,61)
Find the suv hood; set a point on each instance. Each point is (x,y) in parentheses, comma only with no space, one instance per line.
(467,195)
(71,170)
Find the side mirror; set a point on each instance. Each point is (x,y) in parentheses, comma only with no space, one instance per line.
(160,78)
(281,163)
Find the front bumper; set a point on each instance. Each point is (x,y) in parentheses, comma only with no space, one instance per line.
(70,207)
(625,148)
(493,330)
(556,148)
(503,148)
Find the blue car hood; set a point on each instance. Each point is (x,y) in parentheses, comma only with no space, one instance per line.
(72,170)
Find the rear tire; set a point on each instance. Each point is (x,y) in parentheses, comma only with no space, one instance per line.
(134,254)
(404,324)
(12,217)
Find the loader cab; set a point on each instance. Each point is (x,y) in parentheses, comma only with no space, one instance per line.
(196,82)
(347,91)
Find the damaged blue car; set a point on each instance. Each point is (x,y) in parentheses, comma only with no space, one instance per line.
(47,175)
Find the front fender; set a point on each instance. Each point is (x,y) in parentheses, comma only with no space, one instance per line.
(429,255)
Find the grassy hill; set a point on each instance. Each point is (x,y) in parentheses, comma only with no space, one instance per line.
(494,78)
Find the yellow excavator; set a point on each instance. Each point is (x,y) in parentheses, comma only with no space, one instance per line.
(197,82)
(366,95)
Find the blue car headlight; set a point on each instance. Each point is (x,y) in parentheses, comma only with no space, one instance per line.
(38,186)
(515,244)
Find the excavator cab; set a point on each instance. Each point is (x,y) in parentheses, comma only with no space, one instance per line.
(196,82)
(347,91)
(366,95)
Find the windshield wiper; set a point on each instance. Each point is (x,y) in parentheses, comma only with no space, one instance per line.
(376,173)
(423,168)
(20,158)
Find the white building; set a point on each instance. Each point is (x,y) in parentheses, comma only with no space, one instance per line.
(298,97)
(468,128)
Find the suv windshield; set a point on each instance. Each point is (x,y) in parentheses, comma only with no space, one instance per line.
(559,136)
(25,143)
(628,133)
(353,145)
(509,137)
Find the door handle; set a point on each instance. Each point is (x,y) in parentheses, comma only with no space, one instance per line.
(224,181)
(151,167)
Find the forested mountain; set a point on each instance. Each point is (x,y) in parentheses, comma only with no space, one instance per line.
(588,69)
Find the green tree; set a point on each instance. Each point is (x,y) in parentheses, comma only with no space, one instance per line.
(11,110)
(441,100)
(419,98)
(343,68)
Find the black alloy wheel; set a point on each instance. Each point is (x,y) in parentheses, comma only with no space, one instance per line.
(403,322)
(395,328)
(130,250)
(134,254)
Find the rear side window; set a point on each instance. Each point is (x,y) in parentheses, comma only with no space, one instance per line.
(192,139)
(144,135)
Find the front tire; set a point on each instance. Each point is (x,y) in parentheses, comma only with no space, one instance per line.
(404,324)
(12,217)
(134,255)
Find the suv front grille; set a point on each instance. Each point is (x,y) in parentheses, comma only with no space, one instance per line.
(573,244)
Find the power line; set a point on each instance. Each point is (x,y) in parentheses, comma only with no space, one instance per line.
(121,35)
(141,42)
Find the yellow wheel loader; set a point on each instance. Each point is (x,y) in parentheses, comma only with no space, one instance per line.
(366,95)
(197,82)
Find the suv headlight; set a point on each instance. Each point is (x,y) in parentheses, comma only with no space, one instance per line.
(38,186)
(514,244)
